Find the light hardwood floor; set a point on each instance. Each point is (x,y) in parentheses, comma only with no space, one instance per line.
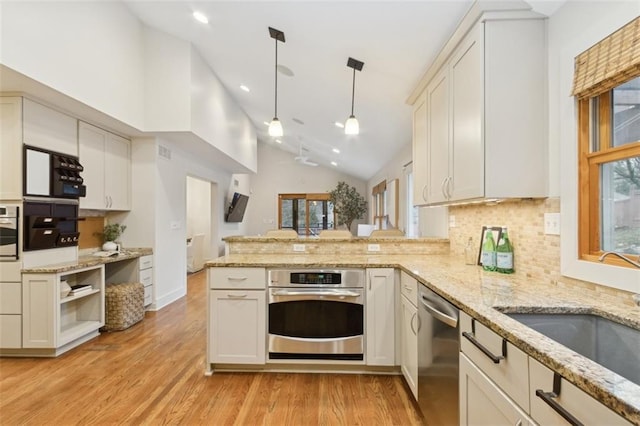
(153,373)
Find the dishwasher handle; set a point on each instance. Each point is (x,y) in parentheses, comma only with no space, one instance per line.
(435,308)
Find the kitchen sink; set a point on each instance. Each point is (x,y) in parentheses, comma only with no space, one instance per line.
(610,344)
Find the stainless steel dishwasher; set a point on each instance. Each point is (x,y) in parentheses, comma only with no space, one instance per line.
(438,354)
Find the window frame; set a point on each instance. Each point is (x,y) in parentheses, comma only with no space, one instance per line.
(590,158)
(309,198)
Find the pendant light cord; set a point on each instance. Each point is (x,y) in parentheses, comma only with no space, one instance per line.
(276,74)
(353,90)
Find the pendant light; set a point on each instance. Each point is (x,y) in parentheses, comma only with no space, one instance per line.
(351,126)
(275,127)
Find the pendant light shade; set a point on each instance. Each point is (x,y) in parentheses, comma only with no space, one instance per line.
(275,127)
(351,126)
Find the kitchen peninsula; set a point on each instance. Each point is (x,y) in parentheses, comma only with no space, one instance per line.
(483,298)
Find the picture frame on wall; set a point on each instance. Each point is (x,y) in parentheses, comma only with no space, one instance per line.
(497,233)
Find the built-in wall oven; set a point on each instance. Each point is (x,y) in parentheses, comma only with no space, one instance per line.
(316,314)
(9,232)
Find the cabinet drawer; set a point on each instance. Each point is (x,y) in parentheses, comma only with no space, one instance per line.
(10,298)
(509,367)
(237,278)
(577,403)
(148,294)
(409,287)
(10,331)
(146,262)
(146,277)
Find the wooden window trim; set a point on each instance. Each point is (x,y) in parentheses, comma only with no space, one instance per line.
(322,196)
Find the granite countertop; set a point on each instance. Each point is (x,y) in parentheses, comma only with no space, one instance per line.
(315,239)
(483,295)
(89,260)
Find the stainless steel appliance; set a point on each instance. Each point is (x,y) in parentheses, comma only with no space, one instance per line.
(9,232)
(316,314)
(438,355)
(51,174)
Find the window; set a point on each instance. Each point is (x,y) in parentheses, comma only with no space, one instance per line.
(412,211)
(609,148)
(307,214)
(379,205)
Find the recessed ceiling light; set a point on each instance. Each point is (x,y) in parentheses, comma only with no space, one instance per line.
(266,123)
(336,150)
(278,140)
(245,88)
(200,17)
(339,124)
(333,163)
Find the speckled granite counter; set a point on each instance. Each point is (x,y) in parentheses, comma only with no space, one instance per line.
(89,260)
(483,295)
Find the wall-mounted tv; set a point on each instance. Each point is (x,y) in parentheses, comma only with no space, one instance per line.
(237,207)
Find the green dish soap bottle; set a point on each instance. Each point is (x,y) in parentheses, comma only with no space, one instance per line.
(489,251)
(504,253)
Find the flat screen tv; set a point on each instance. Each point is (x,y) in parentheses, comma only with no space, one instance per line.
(237,207)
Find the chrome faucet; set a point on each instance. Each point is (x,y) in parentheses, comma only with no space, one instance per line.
(621,256)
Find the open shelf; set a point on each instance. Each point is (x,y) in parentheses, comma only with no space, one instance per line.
(80,296)
(77,329)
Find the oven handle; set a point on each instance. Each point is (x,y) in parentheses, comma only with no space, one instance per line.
(331,293)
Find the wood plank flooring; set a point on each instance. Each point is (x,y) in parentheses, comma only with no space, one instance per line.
(153,373)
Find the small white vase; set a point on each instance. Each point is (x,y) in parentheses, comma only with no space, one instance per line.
(109,246)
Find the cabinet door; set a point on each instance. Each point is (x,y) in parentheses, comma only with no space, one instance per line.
(39,303)
(91,153)
(575,402)
(420,150)
(482,402)
(409,345)
(49,129)
(438,137)
(467,105)
(11,148)
(380,331)
(237,326)
(117,171)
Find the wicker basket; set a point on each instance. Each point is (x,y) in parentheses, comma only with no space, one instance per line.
(124,305)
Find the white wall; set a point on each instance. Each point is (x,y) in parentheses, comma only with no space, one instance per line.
(90,51)
(279,173)
(572,29)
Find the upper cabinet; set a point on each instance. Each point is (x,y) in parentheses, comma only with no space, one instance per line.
(49,129)
(106,158)
(479,127)
(11,148)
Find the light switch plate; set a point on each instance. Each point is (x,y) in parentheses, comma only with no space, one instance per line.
(373,247)
(452,221)
(298,247)
(552,223)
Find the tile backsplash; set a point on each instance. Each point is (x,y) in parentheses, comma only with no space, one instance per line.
(536,255)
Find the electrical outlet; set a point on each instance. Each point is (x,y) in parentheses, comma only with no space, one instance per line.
(175,224)
(298,247)
(552,223)
(452,221)
(373,247)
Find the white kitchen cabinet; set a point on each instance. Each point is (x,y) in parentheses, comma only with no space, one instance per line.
(133,270)
(10,314)
(485,117)
(237,316)
(482,402)
(567,397)
(106,158)
(11,148)
(49,129)
(409,343)
(58,323)
(380,317)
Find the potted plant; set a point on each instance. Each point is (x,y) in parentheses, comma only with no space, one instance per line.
(110,234)
(348,204)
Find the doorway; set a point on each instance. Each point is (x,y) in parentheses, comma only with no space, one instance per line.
(201,228)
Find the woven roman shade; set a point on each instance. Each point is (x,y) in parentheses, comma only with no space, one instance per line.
(609,63)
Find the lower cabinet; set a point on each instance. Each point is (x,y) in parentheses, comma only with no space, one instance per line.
(10,315)
(380,317)
(482,402)
(237,315)
(409,344)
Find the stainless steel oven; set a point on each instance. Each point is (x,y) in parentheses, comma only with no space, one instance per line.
(316,314)
(9,232)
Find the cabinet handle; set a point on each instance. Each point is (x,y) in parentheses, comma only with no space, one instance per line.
(548,398)
(471,337)
(236,296)
(237,278)
(444,194)
(448,187)
(408,288)
(411,323)
(424,192)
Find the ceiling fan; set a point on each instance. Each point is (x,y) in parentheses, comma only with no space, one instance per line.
(303,158)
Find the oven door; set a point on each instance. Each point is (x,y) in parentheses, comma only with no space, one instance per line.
(8,238)
(316,323)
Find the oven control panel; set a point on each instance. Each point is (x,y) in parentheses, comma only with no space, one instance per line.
(352,277)
(315,278)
